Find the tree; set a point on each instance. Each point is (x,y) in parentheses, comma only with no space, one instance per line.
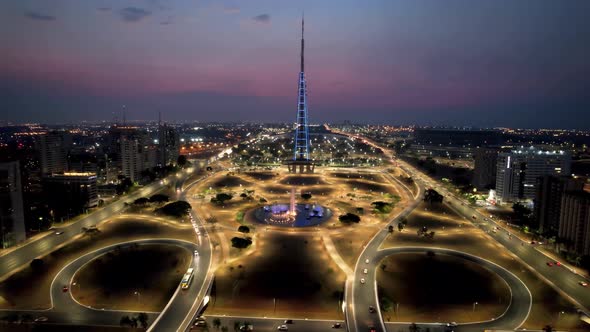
(244,195)
(432,196)
(523,214)
(175,209)
(159,198)
(224,329)
(125,321)
(349,218)
(221,198)
(37,264)
(244,229)
(414,328)
(386,304)
(306,196)
(142,317)
(400,226)
(548,328)
(382,207)
(390,229)
(181,161)
(241,243)
(141,201)
(216,323)
(236,326)
(124,185)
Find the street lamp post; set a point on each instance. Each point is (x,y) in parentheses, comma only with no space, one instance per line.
(559,315)
(138,296)
(77,284)
(474,304)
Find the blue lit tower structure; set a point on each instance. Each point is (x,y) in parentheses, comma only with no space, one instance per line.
(301,158)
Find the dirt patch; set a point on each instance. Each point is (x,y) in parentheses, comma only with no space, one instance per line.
(152,274)
(439,288)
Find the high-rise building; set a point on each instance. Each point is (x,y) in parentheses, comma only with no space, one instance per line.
(517,171)
(574,221)
(547,205)
(484,170)
(53,151)
(70,194)
(168,145)
(301,160)
(12,219)
(132,157)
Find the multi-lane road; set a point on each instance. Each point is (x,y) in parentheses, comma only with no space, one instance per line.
(565,281)
(25,253)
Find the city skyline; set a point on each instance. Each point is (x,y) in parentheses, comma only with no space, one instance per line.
(399,63)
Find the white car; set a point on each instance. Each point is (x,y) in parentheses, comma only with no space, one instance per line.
(365,271)
(367,261)
(283,328)
(59,233)
(362,280)
(196,253)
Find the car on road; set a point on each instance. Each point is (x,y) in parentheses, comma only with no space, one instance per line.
(583,283)
(557,263)
(247,328)
(372,309)
(365,271)
(549,263)
(41,319)
(372,329)
(59,232)
(196,253)
(200,321)
(283,328)
(336,325)
(64,289)
(288,321)
(367,261)
(362,280)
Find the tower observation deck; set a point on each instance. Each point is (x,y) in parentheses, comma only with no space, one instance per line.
(301,160)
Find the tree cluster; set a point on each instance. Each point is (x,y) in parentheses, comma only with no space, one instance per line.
(140,320)
(221,198)
(432,196)
(175,209)
(349,218)
(240,242)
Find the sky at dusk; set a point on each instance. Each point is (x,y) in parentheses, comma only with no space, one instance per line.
(482,63)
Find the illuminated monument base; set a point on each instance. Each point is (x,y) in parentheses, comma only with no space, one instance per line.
(300,166)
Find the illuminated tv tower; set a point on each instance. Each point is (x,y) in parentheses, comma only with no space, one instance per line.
(301,158)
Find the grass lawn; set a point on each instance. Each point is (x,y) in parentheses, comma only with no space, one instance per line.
(152,270)
(289,275)
(432,289)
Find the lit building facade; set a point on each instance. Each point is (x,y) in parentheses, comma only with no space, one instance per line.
(517,172)
(70,194)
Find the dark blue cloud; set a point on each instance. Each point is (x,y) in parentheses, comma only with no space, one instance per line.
(262,18)
(134,14)
(38,16)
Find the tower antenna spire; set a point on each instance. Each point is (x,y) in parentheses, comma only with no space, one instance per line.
(302,41)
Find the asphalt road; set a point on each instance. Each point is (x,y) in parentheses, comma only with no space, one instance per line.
(26,253)
(272,324)
(360,296)
(74,312)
